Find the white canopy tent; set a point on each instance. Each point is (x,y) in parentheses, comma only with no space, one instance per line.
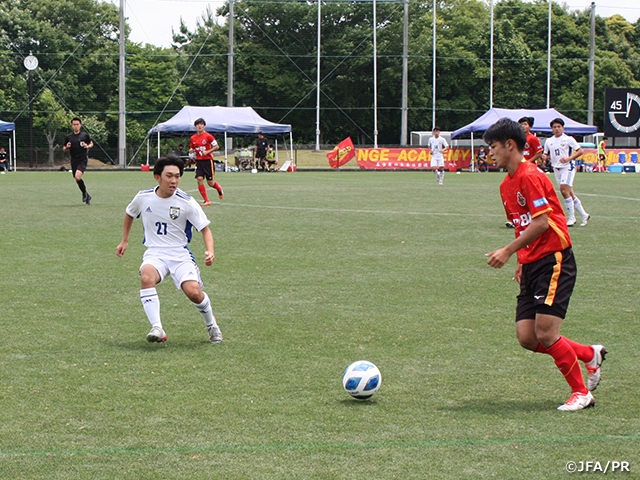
(8,129)
(542,118)
(227,120)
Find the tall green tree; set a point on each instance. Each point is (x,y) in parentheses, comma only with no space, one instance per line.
(51,118)
(76,44)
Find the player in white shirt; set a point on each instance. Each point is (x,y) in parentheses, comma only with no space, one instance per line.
(438,146)
(168,216)
(562,150)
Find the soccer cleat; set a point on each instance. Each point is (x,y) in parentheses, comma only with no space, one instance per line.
(509,225)
(593,366)
(220,193)
(156,335)
(87,200)
(206,204)
(585,219)
(215,335)
(578,401)
(571,222)
(84,197)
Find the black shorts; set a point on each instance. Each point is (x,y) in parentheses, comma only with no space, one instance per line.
(546,286)
(78,165)
(205,169)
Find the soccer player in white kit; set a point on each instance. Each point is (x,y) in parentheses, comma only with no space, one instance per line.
(563,150)
(438,145)
(168,216)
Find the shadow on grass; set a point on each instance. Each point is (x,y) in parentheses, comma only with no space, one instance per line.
(144,346)
(354,403)
(497,406)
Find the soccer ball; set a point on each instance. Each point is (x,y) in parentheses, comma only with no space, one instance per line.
(362,379)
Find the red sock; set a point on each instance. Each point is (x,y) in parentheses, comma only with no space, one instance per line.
(203,191)
(584,352)
(567,362)
(217,186)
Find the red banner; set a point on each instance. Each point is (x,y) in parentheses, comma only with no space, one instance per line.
(340,155)
(417,158)
(410,158)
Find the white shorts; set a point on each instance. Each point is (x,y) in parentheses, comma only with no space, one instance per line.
(177,262)
(565,176)
(437,161)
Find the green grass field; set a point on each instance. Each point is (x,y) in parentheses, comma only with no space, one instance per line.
(314,270)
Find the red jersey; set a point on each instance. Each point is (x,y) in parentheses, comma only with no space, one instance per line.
(532,146)
(526,195)
(202,143)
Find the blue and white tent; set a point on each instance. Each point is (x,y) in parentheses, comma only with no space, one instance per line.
(230,121)
(8,129)
(542,117)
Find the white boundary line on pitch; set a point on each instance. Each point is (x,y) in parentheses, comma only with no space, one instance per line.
(609,196)
(396,212)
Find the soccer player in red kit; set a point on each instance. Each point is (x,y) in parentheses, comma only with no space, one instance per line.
(532,149)
(546,268)
(203,144)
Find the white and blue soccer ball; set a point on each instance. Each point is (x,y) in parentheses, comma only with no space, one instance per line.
(362,379)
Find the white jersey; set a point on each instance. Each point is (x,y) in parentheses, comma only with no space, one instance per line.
(437,146)
(558,147)
(167,222)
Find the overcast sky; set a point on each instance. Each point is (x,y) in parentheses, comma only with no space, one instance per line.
(151,21)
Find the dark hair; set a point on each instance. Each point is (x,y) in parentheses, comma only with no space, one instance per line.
(503,130)
(199,120)
(556,120)
(529,120)
(436,128)
(162,162)
(76,118)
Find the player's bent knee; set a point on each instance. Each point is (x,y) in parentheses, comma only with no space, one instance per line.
(193,291)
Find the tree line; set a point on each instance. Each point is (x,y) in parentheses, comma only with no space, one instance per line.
(275,54)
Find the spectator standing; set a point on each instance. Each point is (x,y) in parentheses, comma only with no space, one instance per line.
(602,152)
(3,161)
(261,151)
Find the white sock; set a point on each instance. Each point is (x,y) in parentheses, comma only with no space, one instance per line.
(205,310)
(578,206)
(569,204)
(151,305)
